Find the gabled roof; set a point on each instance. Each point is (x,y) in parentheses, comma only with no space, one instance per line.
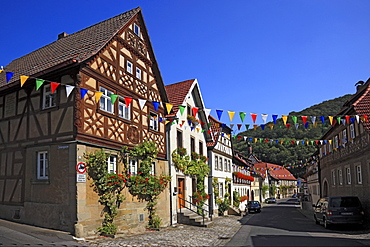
(177,93)
(73,48)
(362,105)
(277,172)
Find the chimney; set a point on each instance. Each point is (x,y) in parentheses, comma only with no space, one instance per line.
(62,35)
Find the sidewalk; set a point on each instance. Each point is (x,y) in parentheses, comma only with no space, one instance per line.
(218,234)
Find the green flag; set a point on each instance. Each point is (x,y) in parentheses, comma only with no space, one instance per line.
(182,108)
(242,115)
(39,83)
(113,98)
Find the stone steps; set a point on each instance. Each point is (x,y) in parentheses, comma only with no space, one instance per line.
(188,217)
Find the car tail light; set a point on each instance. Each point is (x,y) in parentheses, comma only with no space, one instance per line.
(362,212)
(329,212)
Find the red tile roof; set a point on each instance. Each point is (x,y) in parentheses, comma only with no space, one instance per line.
(275,171)
(177,92)
(362,106)
(76,47)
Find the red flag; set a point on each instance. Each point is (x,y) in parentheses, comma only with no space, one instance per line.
(288,125)
(347,119)
(128,101)
(54,86)
(304,119)
(254,117)
(195,111)
(239,137)
(239,126)
(293,142)
(366,118)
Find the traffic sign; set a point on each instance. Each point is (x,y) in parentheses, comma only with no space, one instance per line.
(81,167)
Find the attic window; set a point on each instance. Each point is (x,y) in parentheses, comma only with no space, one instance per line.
(137,30)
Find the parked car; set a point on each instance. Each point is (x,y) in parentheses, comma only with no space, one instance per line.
(338,210)
(294,196)
(271,200)
(254,206)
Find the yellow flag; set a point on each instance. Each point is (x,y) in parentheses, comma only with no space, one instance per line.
(271,125)
(23,79)
(166,122)
(331,119)
(169,107)
(98,96)
(1,70)
(285,118)
(330,141)
(231,115)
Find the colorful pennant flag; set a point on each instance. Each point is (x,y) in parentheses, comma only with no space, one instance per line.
(231,115)
(242,116)
(83,92)
(254,117)
(98,96)
(23,79)
(219,114)
(9,76)
(39,83)
(54,86)
(156,105)
(142,103)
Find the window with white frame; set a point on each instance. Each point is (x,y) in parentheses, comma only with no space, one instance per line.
(124,111)
(221,186)
(333,177)
(352,131)
(42,165)
(344,134)
(225,165)
(105,100)
(112,164)
(340,177)
(136,29)
(133,166)
(152,169)
(348,175)
(221,167)
(48,98)
(229,164)
(153,121)
(216,162)
(129,67)
(336,144)
(358,174)
(138,73)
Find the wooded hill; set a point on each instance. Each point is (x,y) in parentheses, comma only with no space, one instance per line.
(287,153)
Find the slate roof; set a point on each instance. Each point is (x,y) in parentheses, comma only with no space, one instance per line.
(275,171)
(75,47)
(177,92)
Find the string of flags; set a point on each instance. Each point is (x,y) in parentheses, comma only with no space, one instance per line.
(289,121)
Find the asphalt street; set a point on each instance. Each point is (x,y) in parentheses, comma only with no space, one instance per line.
(282,224)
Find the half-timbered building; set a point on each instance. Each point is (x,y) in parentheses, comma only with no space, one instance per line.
(97,88)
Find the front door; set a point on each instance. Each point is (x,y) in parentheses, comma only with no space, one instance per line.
(181,191)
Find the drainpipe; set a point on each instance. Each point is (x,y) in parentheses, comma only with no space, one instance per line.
(210,186)
(169,168)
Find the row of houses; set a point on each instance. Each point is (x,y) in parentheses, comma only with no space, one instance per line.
(343,164)
(101,88)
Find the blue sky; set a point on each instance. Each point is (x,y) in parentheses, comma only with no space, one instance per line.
(263,56)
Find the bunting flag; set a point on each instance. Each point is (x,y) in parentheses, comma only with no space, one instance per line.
(285,118)
(255,126)
(169,107)
(264,118)
(322,119)
(195,111)
(247,126)
(296,125)
(304,120)
(156,105)
(9,76)
(219,114)
(98,96)
(23,79)
(274,117)
(231,115)
(313,120)
(262,126)
(358,118)
(294,118)
(288,125)
(113,98)
(128,101)
(207,112)
(254,117)
(54,86)
(271,126)
(69,90)
(242,116)
(39,83)
(239,126)
(231,126)
(347,119)
(83,92)
(339,119)
(142,103)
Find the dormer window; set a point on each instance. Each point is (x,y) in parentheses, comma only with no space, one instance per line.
(137,30)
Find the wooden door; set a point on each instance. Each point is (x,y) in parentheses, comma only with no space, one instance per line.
(181,191)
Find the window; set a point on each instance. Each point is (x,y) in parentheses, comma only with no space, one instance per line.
(358,174)
(348,175)
(344,140)
(136,29)
(42,165)
(225,165)
(129,67)
(336,145)
(340,177)
(220,165)
(152,169)
(333,177)
(138,73)
(179,139)
(192,144)
(105,100)
(352,131)
(123,111)
(133,166)
(216,163)
(112,164)
(48,98)
(221,186)
(229,164)
(153,121)
(201,148)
